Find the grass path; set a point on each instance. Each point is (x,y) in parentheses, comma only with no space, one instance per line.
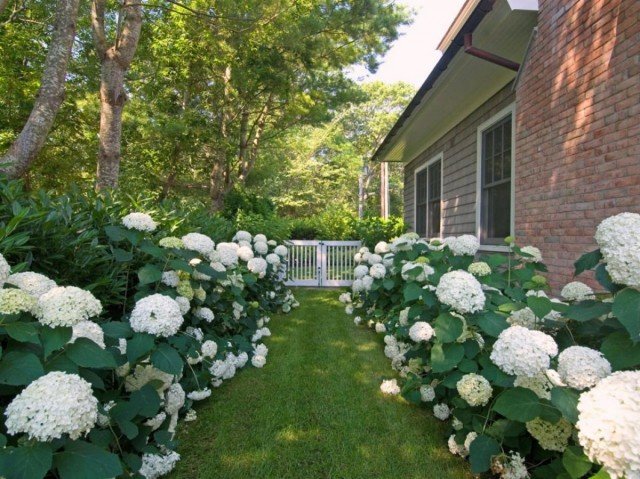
(315,411)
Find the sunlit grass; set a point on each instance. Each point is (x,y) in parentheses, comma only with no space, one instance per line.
(315,411)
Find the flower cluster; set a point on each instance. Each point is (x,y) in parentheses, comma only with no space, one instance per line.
(14,301)
(619,240)
(522,352)
(461,291)
(66,306)
(390,387)
(198,242)
(551,436)
(479,268)
(463,245)
(474,389)
(581,368)
(35,284)
(157,314)
(421,331)
(140,222)
(5,270)
(577,291)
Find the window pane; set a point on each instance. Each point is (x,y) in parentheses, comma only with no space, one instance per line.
(498,223)
(434,218)
(421,220)
(421,203)
(487,156)
(434,181)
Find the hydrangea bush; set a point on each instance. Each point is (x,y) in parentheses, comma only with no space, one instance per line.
(530,385)
(89,392)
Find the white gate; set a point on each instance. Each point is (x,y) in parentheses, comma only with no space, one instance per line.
(321,263)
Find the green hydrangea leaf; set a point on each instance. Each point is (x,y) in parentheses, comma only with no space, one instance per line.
(518,404)
(482,449)
(83,460)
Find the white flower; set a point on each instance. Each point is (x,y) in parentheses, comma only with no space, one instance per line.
(441,411)
(5,270)
(344,298)
(367,283)
(551,436)
(535,256)
(404,242)
(455,448)
(66,306)
(144,374)
(462,245)
(199,395)
(380,328)
(261,248)
(472,436)
(184,304)
(421,331)
(156,314)
(199,243)
(228,253)
(390,387)
(427,393)
(273,259)
(223,369)
(14,301)
(360,271)
(403,317)
(554,378)
(260,238)
(89,330)
(258,361)
(378,271)
(619,240)
(140,222)
(581,367)
(157,465)
(242,236)
(509,467)
(479,268)
(522,352)
(373,259)
(170,278)
(381,248)
(51,406)
(155,422)
(191,416)
(35,284)
(240,360)
(174,399)
(245,253)
(357,286)
(418,271)
(260,350)
(209,349)
(539,384)
(577,291)
(474,389)
(171,242)
(609,424)
(281,251)
(258,266)
(461,291)
(524,317)
(205,313)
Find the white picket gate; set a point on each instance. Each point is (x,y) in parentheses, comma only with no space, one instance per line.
(321,263)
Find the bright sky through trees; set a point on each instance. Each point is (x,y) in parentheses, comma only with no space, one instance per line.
(414,55)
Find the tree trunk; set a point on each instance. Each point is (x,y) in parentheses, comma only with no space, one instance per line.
(115,62)
(50,96)
(219,176)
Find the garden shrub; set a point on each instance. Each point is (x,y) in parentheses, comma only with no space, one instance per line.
(92,392)
(531,386)
(375,229)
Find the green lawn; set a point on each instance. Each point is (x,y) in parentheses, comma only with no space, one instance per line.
(315,411)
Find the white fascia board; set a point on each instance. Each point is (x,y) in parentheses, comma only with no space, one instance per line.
(531,5)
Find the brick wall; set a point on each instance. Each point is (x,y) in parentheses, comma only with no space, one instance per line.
(578,127)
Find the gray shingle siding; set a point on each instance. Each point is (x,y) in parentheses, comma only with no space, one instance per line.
(459,168)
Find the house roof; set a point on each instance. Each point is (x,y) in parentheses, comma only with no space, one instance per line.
(459,83)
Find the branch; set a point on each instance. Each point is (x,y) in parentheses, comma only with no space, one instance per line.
(127,43)
(97,27)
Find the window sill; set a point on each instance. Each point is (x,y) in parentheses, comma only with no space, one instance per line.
(494,248)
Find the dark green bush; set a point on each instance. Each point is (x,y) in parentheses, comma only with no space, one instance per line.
(239,200)
(373,230)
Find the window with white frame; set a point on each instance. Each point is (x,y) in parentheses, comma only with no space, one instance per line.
(495,170)
(428,198)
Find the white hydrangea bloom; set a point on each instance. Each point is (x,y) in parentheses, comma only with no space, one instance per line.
(170,278)
(609,424)
(577,291)
(403,317)
(228,253)
(157,465)
(156,314)
(241,360)
(581,367)
(51,406)
(258,266)
(5,270)
(474,389)
(441,411)
(281,251)
(15,301)
(421,331)
(245,253)
(273,259)
(535,254)
(455,448)
(140,222)
(66,306)
(462,245)
(223,369)
(199,243)
(199,395)
(242,236)
(427,393)
(357,286)
(260,350)
(174,399)
(380,328)
(404,242)
(367,282)
(424,271)
(345,298)
(374,259)
(260,238)
(261,248)
(184,304)
(619,240)
(472,436)
(190,416)
(361,271)
(377,271)
(523,352)
(171,242)
(35,284)
(551,436)
(89,330)
(387,260)
(144,374)
(479,268)
(390,387)
(209,349)
(539,384)
(357,320)
(524,317)
(461,291)
(156,421)
(258,361)
(205,313)
(510,467)
(381,248)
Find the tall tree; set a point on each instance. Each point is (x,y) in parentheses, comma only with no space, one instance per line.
(115,60)
(50,96)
